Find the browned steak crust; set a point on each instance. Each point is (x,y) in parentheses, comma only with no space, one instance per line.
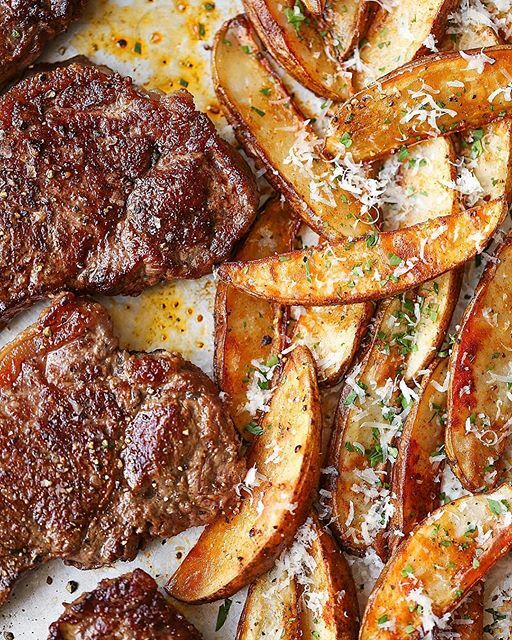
(105,188)
(101,449)
(125,608)
(27,25)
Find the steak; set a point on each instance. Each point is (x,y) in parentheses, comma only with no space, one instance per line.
(102,449)
(27,25)
(125,608)
(105,188)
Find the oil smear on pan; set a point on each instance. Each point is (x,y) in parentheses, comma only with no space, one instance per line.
(163,45)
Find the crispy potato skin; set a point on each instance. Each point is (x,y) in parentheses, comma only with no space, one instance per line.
(444,539)
(416,478)
(393,39)
(249,328)
(302,51)
(481,351)
(234,551)
(267,123)
(322,275)
(374,120)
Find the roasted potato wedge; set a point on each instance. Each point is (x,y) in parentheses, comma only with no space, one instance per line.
(248,328)
(346,21)
(272,130)
(333,334)
(369,421)
(433,569)
(417,470)
(338,618)
(401,110)
(299,46)
(271,612)
(397,34)
(234,551)
(372,267)
(479,398)
(314,7)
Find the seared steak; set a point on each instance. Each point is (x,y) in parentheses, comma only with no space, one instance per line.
(126,608)
(101,449)
(27,25)
(105,188)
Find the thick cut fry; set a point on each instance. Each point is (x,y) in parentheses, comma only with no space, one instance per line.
(434,96)
(333,334)
(314,7)
(416,472)
(233,552)
(372,267)
(338,618)
(248,328)
(479,402)
(269,612)
(372,410)
(346,20)
(270,127)
(400,33)
(297,44)
(433,569)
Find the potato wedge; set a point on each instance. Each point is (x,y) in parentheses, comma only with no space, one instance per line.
(272,130)
(338,617)
(298,45)
(333,334)
(397,35)
(374,403)
(417,471)
(233,552)
(479,399)
(314,7)
(269,612)
(372,267)
(433,569)
(404,107)
(248,328)
(346,21)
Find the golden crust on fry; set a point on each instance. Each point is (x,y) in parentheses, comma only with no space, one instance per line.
(446,554)
(372,267)
(233,552)
(400,109)
(249,328)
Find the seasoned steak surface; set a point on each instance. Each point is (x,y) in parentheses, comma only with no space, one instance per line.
(27,25)
(107,189)
(101,449)
(125,608)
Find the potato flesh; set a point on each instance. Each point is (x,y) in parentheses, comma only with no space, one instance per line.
(248,328)
(444,557)
(270,612)
(339,618)
(333,334)
(400,109)
(396,36)
(269,126)
(235,550)
(331,273)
